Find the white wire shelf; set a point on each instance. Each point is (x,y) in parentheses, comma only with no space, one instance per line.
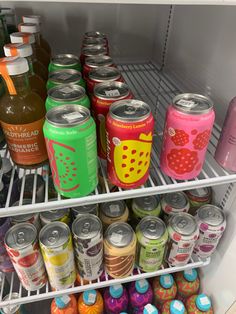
(46,293)
(150,85)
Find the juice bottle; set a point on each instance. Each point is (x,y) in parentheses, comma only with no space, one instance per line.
(22,115)
(140,293)
(188,283)
(116,299)
(34,29)
(66,304)
(90,302)
(150,309)
(199,304)
(164,289)
(174,307)
(36,19)
(27,38)
(25,50)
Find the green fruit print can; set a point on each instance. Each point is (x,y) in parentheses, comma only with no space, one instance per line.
(70,136)
(67,94)
(64,61)
(68,76)
(152,236)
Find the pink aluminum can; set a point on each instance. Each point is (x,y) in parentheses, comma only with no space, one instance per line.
(188,126)
(225,153)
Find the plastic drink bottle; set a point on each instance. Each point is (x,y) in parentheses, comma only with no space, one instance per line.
(64,305)
(140,293)
(199,304)
(174,307)
(115,299)
(164,289)
(90,302)
(188,283)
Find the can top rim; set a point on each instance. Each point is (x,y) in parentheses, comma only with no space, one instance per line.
(195,104)
(58,77)
(206,190)
(64,89)
(103,74)
(211,215)
(23,244)
(95,34)
(86,226)
(91,61)
(57,59)
(113,209)
(152,227)
(119,234)
(95,50)
(54,214)
(177,200)
(183,223)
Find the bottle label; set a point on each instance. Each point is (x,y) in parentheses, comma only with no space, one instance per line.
(26,142)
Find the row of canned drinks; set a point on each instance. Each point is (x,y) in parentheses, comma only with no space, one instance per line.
(116,250)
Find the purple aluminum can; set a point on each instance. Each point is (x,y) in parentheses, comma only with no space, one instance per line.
(225,153)
(5,262)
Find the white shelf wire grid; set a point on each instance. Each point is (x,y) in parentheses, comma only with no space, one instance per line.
(46,292)
(155,88)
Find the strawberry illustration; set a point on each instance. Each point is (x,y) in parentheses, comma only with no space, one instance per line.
(182,160)
(201,140)
(132,158)
(180,137)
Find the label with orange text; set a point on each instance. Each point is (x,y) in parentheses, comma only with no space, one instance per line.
(26,142)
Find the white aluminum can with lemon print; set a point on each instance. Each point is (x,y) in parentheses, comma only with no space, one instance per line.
(129,132)
(56,246)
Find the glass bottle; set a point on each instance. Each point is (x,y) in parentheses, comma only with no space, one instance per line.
(34,29)
(10,19)
(27,38)
(36,19)
(22,115)
(25,50)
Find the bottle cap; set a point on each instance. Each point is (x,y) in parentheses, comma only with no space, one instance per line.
(190,274)
(142,285)
(166,281)
(150,309)
(62,302)
(90,297)
(15,65)
(29,28)
(203,302)
(21,50)
(116,291)
(177,307)
(22,38)
(35,19)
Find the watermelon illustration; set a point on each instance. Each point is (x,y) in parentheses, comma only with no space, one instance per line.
(132,158)
(64,165)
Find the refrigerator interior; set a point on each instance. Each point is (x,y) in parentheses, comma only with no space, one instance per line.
(195,46)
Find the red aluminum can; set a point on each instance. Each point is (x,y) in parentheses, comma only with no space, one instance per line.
(102,75)
(92,63)
(97,50)
(90,42)
(104,95)
(129,132)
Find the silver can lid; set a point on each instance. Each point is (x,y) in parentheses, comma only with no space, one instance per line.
(201,192)
(99,61)
(68,115)
(113,209)
(87,226)
(94,34)
(93,41)
(66,92)
(119,234)
(211,214)
(176,200)
(20,236)
(85,209)
(54,234)
(111,90)
(183,223)
(147,203)
(65,59)
(152,227)
(54,214)
(11,309)
(192,103)
(102,74)
(129,110)
(65,76)
(97,50)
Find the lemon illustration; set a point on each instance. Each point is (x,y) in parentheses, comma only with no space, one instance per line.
(59,259)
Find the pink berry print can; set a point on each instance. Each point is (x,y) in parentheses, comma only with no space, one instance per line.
(188,126)
(212,223)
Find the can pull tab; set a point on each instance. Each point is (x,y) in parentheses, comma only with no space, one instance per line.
(86,227)
(54,237)
(212,214)
(20,238)
(152,227)
(129,110)
(182,223)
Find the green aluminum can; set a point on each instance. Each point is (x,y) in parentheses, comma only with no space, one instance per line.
(64,61)
(67,94)
(65,77)
(70,136)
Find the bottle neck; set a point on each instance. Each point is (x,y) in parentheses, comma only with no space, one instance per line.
(30,63)
(21,83)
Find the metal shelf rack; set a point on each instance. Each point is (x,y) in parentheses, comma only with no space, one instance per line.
(150,85)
